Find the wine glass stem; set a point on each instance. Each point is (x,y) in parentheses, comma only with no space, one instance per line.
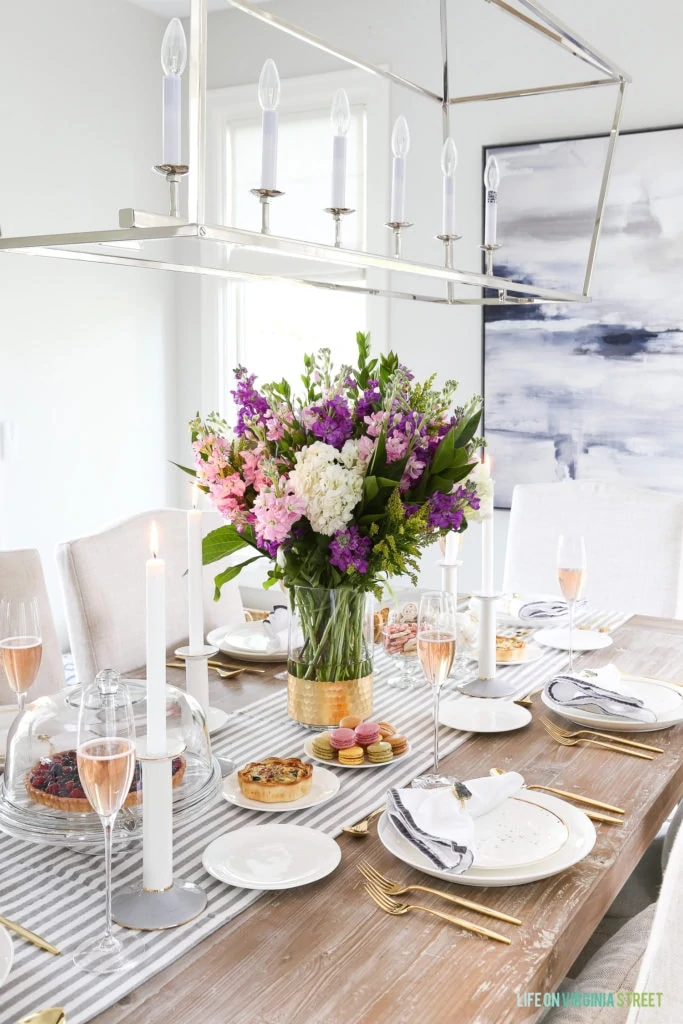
(108,824)
(21,700)
(571,636)
(437,693)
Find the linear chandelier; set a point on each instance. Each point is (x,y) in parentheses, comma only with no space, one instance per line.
(188,244)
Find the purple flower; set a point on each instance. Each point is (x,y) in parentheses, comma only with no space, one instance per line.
(469,496)
(330,422)
(250,404)
(444,513)
(349,548)
(350,382)
(410,510)
(370,398)
(269,546)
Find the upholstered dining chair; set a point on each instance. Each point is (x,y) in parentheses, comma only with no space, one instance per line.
(21,577)
(634,543)
(103,579)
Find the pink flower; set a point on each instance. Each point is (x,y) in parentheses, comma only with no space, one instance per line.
(397,446)
(275,514)
(375,422)
(366,447)
(413,471)
(252,467)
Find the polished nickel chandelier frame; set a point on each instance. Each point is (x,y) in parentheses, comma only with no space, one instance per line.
(190,245)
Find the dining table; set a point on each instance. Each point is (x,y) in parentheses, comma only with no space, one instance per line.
(325,954)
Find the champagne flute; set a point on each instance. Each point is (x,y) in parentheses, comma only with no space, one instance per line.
(571,574)
(106,764)
(436,647)
(21,645)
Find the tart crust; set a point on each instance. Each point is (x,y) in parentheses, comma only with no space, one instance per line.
(510,648)
(82,805)
(276,779)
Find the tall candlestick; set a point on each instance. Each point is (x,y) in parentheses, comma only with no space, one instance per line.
(491,182)
(400,144)
(157,825)
(341,122)
(156,649)
(269,98)
(173,61)
(194,574)
(449,162)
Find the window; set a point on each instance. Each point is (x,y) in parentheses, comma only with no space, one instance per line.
(269,325)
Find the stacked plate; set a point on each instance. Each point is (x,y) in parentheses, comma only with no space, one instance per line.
(249,641)
(665,699)
(528,837)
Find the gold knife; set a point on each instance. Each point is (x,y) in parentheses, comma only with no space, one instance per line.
(30,936)
(580,799)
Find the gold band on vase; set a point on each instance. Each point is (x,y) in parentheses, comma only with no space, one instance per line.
(312,702)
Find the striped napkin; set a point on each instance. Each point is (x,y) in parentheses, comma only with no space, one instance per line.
(542,610)
(614,699)
(436,823)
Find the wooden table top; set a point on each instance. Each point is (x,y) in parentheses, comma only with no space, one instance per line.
(323,954)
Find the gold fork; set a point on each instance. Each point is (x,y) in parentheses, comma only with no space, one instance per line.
(393,888)
(603,736)
(361,827)
(564,742)
(390,906)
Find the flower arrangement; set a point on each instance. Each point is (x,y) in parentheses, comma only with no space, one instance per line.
(343,486)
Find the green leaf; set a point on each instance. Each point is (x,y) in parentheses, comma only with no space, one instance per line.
(467,429)
(370,488)
(223,541)
(185,469)
(229,574)
(443,456)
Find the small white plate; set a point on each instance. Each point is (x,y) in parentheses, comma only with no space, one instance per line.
(6,955)
(216,719)
(271,856)
(580,842)
(516,834)
(325,785)
(584,639)
(7,715)
(308,750)
(665,699)
(531,653)
(250,645)
(477,714)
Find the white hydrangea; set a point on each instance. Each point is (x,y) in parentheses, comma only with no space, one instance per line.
(481,478)
(330,483)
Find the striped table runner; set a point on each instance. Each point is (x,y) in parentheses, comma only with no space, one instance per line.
(60,894)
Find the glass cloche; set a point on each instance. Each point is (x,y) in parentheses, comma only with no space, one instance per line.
(40,796)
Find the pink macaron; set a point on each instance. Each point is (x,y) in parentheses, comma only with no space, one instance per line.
(366,733)
(341,739)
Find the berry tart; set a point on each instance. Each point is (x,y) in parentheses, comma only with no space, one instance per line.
(276,779)
(55,782)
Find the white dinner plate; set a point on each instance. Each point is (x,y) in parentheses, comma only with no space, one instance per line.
(7,715)
(584,639)
(308,750)
(579,843)
(271,856)
(665,699)
(6,955)
(249,646)
(531,653)
(477,714)
(325,785)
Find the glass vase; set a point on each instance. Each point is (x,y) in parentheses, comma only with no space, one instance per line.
(329,667)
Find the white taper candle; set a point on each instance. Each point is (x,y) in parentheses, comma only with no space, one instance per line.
(487,559)
(269,98)
(194,574)
(491,182)
(487,638)
(449,161)
(400,144)
(340,116)
(173,61)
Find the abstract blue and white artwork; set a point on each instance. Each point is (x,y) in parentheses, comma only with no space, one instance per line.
(589,390)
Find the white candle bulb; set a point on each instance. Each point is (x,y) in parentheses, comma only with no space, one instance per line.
(449,162)
(156,648)
(400,144)
(173,61)
(340,116)
(491,182)
(269,98)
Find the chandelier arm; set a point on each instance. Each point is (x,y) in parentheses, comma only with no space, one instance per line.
(539,90)
(320,44)
(604,185)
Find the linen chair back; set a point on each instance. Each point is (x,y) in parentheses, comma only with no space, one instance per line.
(21,578)
(634,543)
(103,579)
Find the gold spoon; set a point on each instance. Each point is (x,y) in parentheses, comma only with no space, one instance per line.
(53,1015)
(361,827)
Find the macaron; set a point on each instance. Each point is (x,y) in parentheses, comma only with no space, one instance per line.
(380,752)
(351,755)
(342,739)
(350,722)
(386,728)
(398,744)
(322,747)
(366,733)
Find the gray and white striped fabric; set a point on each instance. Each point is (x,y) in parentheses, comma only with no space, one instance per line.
(60,894)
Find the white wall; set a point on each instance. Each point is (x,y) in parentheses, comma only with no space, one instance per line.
(87,360)
(488,51)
